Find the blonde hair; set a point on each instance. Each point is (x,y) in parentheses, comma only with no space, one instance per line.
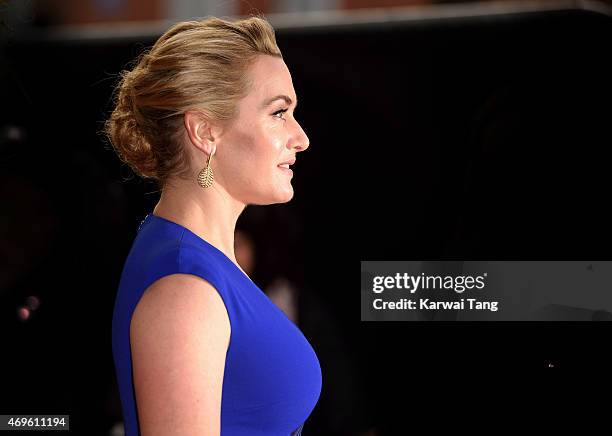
(195,65)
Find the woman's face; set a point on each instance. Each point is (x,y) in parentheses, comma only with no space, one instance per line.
(264,135)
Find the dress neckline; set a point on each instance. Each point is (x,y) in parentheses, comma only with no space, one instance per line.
(199,238)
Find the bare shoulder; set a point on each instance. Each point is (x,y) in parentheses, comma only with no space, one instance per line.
(179,335)
(185,302)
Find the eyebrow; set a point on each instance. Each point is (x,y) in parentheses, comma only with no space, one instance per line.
(287,99)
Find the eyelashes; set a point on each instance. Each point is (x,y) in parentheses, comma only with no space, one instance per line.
(281,111)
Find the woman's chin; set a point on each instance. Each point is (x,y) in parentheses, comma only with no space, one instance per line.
(276,199)
(285,195)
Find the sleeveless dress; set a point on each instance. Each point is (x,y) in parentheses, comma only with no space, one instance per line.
(272,378)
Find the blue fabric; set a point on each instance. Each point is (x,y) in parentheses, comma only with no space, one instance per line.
(272,378)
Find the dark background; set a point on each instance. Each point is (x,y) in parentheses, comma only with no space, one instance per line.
(466,138)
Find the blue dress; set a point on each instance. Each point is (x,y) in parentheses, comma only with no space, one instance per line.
(272,378)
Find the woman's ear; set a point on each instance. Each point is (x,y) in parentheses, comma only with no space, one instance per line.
(199,131)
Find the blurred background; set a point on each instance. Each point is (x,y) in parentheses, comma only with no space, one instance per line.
(439,130)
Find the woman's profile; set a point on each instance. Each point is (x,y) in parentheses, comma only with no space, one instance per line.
(199,349)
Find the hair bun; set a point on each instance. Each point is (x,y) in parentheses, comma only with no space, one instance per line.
(126,135)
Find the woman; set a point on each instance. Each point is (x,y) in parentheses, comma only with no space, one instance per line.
(198,347)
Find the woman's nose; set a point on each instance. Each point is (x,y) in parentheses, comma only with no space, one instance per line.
(301,141)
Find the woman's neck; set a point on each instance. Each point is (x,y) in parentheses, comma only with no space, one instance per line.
(211,213)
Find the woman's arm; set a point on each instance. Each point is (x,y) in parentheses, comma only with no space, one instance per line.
(179,334)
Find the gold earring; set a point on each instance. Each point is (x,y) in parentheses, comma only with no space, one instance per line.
(205,176)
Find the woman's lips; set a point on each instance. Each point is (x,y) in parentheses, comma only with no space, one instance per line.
(287,170)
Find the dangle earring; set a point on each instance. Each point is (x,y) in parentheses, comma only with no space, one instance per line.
(205,176)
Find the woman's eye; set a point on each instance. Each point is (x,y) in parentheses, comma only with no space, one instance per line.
(281,111)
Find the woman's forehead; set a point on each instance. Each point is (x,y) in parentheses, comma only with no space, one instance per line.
(271,78)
